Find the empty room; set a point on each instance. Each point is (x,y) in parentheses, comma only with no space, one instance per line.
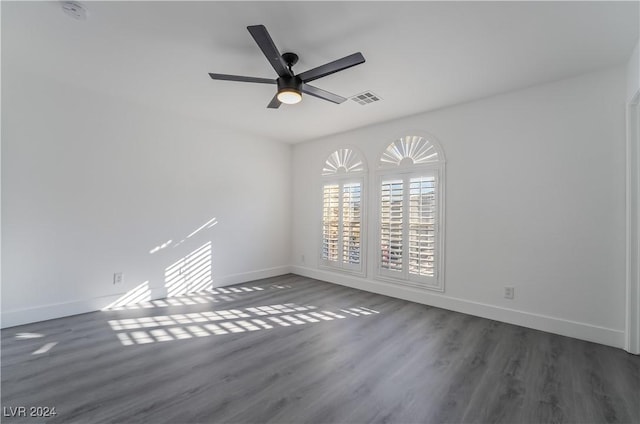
(320,212)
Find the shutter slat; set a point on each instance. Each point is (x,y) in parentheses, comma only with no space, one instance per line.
(391,219)
(330,222)
(422,218)
(351,205)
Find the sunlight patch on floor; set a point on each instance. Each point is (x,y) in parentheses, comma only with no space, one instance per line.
(44,349)
(144,330)
(215,295)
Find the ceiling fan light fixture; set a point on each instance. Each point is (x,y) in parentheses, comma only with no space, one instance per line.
(289,90)
(289,96)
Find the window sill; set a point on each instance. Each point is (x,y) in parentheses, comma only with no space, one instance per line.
(354,272)
(412,284)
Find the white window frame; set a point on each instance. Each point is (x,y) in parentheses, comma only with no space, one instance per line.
(340,264)
(341,179)
(405,173)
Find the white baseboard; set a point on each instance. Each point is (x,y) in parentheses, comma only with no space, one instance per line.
(243,277)
(12,318)
(578,330)
(15,317)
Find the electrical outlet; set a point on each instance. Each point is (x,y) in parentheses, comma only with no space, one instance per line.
(509,292)
(117,278)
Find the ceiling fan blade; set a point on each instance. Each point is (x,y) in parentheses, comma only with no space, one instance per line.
(332,67)
(274,103)
(240,78)
(266,44)
(322,94)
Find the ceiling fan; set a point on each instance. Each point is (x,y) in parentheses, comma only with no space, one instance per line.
(290,85)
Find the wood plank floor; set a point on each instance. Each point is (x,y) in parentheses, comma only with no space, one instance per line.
(295,350)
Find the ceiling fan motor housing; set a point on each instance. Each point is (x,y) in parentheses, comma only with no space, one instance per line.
(290,59)
(290,84)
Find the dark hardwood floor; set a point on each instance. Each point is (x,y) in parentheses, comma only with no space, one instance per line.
(295,350)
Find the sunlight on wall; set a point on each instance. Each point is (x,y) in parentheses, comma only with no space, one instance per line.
(209,323)
(191,273)
(213,221)
(209,224)
(138,294)
(160,247)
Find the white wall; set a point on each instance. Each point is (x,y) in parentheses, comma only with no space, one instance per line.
(632,343)
(91,184)
(535,199)
(535,186)
(633,73)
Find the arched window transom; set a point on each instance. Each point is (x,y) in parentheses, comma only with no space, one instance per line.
(343,161)
(409,150)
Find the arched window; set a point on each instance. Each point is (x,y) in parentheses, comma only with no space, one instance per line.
(342,211)
(411,213)
(343,161)
(411,150)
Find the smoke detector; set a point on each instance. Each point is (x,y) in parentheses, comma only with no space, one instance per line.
(75,10)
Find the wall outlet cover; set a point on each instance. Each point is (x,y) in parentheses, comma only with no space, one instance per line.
(509,292)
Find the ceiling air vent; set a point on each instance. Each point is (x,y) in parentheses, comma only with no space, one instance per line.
(366,98)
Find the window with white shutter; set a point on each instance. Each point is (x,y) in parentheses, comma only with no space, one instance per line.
(422,226)
(410,203)
(351,222)
(330,221)
(342,211)
(391,235)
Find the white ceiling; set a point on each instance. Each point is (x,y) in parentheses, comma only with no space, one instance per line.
(420,55)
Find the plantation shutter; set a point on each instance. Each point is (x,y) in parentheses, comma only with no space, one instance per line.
(330,221)
(411,213)
(341,225)
(351,222)
(391,224)
(422,222)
